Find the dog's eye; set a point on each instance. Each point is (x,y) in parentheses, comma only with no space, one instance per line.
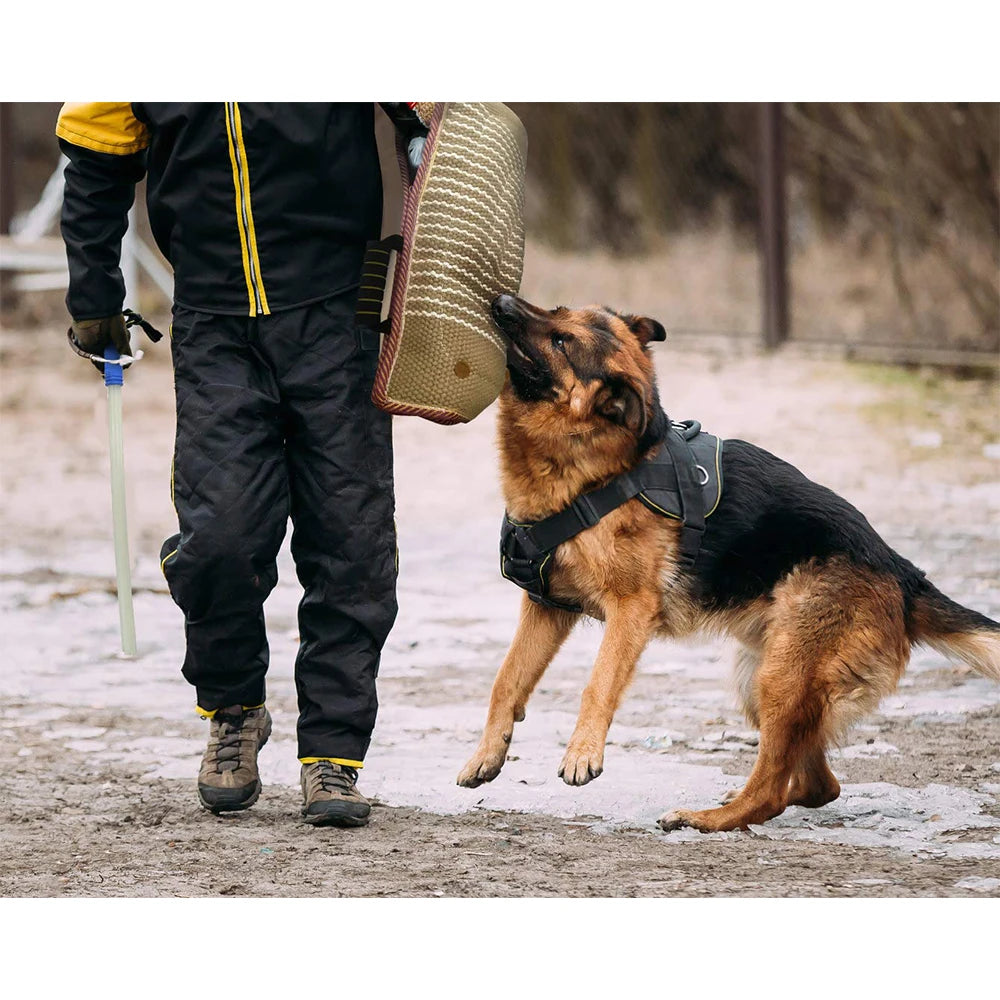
(559,342)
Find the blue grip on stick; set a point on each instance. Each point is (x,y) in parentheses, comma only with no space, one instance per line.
(113,374)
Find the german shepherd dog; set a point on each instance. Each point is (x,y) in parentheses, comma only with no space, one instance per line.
(824,611)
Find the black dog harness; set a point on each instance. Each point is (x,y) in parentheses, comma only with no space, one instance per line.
(682,481)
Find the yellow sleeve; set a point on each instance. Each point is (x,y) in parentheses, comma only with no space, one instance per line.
(105,127)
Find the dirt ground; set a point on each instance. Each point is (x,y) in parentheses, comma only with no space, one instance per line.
(99,755)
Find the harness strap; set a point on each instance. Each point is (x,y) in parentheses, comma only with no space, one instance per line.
(588,508)
(691,497)
(584,512)
(670,479)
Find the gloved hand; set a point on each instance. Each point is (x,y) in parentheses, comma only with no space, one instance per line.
(415,153)
(92,336)
(412,121)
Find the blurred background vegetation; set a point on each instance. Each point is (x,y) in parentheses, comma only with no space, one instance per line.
(893,218)
(892,237)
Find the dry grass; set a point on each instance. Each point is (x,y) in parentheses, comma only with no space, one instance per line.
(841,290)
(695,281)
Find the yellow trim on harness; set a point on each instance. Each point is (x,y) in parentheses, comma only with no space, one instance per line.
(655,506)
(205,714)
(332,760)
(163,562)
(548,555)
(718,495)
(103,126)
(718,475)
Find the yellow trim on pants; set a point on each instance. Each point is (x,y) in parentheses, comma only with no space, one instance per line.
(205,714)
(332,760)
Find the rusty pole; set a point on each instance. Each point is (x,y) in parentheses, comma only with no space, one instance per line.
(7,294)
(6,166)
(773,228)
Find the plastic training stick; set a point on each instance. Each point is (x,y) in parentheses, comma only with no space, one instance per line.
(113,379)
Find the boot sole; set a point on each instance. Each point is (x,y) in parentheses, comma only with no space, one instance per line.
(334,817)
(224,804)
(233,805)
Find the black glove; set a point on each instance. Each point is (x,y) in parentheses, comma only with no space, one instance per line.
(90,337)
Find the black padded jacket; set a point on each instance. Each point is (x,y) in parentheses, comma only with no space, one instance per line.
(258,207)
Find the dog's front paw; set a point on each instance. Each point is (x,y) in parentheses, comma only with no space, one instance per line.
(674,820)
(484,766)
(581,765)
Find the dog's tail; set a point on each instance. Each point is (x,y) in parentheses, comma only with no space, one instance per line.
(955,631)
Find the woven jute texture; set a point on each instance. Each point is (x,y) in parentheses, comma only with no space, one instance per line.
(463,244)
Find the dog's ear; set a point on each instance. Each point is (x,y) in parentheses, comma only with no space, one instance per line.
(624,402)
(645,329)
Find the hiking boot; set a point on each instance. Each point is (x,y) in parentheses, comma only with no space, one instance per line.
(331,797)
(229,779)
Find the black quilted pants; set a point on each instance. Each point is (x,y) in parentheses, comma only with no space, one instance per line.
(274,417)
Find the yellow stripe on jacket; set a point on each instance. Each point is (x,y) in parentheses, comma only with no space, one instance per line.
(251,232)
(103,126)
(237,184)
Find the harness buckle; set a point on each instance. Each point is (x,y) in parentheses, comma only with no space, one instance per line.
(524,542)
(585,510)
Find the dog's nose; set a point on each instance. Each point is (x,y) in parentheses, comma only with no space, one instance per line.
(504,308)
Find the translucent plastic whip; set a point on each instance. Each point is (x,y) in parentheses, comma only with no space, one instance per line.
(113,379)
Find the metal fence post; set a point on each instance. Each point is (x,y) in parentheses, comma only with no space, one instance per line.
(6,166)
(129,263)
(773,228)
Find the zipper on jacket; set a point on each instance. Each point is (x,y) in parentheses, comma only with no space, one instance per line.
(244,212)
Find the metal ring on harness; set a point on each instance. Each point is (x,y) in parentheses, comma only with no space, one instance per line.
(704,472)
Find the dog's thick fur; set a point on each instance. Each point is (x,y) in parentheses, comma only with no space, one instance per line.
(825,612)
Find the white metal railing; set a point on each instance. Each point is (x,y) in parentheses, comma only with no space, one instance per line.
(39,260)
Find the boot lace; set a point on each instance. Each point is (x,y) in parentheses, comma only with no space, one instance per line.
(227,755)
(335,777)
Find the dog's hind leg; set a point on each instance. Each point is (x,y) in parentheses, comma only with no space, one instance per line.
(745,677)
(790,718)
(540,633)
(629,625)
(836,645)
(813,784)
(748,660)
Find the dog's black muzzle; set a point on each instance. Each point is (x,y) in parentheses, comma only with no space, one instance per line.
(508,314)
